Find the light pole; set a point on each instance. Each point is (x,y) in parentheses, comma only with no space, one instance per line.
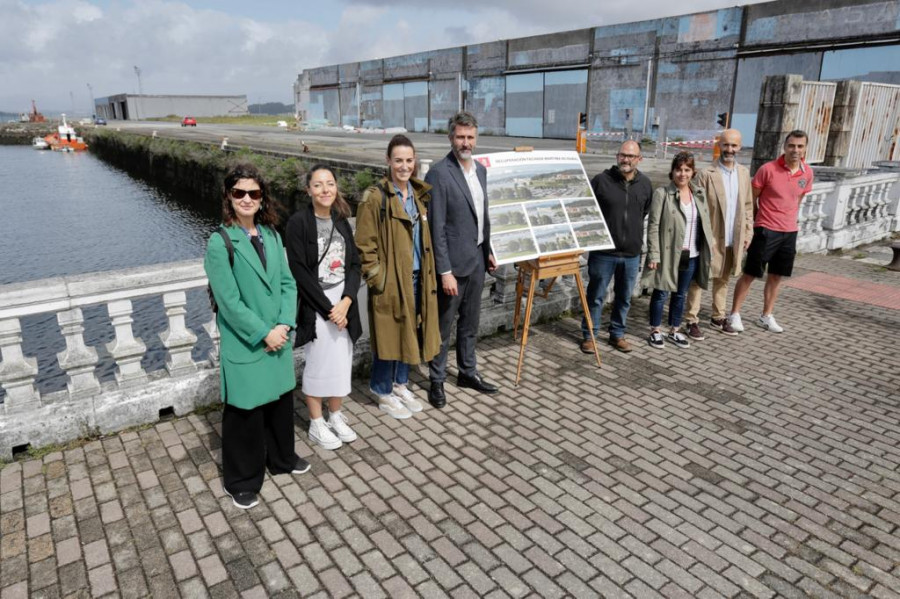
(91,92)
(137,71)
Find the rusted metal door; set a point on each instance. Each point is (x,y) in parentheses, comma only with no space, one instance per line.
(816,105)
(876,125)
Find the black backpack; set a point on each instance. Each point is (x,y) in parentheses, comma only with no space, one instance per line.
(230,248)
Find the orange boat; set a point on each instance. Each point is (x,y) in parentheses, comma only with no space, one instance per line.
(65,139)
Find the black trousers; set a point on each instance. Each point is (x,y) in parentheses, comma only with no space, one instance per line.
(467,304)
(253,440)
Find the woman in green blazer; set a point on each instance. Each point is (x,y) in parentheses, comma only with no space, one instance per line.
(256,297)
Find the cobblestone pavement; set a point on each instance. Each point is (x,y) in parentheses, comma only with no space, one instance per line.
(759,466)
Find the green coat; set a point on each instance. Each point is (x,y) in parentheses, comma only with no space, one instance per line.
(386,251)
(251,302)
(666,224)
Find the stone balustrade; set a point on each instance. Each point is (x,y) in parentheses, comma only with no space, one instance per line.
(848,208)
(86,406)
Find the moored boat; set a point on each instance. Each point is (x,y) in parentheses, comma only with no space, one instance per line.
(39,143)
(65,139)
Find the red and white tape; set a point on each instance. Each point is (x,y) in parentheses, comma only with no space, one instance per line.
(614,134)
(697,144)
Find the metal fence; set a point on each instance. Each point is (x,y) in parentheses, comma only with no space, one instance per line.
(876,125)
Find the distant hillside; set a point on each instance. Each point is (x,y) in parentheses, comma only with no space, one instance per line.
(271,108)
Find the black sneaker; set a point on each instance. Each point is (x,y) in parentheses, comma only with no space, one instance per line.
(656,340)
(695,332)
(244,500)
(300,467)
(678,339)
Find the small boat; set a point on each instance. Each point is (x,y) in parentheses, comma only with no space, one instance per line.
(39,143)
(65,139)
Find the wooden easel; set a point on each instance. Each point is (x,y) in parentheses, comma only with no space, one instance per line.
(547,267)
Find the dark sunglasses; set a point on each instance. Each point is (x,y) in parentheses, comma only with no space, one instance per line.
(239,194)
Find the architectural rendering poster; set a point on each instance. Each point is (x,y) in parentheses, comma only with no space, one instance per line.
(541,203)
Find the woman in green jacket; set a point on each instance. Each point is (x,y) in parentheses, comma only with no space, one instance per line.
(256,297)
(679,239)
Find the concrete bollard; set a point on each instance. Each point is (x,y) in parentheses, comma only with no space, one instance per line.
(424,167)
(224,145)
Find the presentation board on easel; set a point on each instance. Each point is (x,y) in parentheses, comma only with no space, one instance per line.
(540,203)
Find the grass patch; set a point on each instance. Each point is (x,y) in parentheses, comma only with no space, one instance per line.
(266,120)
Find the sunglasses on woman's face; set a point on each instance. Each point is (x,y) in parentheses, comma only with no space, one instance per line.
(238,194)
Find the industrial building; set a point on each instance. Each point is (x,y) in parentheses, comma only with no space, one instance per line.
(679,73)
(133,107)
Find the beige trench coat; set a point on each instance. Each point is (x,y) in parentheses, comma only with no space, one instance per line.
(710,179)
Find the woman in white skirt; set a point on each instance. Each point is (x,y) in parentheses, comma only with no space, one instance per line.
(325,263)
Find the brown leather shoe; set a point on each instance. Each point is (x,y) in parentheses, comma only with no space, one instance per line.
(620,344)
(587,346)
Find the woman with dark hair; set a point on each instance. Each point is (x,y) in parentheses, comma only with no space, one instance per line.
(394,244)
(678,248)
(325,263)
(256,298)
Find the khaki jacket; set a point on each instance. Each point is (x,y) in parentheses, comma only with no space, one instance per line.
(666,227)
(710,179)
(385,248)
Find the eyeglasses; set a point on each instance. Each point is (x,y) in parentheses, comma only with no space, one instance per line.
(238,194)
(628,156)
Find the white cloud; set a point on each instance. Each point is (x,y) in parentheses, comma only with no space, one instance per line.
(59,47)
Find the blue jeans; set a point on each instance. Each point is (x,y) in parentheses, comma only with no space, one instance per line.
(602,268)
(676,305)
(387,372)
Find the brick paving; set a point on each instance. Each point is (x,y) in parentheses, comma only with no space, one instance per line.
(765,465)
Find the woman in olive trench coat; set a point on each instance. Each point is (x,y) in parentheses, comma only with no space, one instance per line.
(675,257)
(257,303)
(403,312)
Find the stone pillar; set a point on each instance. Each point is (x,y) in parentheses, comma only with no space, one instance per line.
(178,339)
(126,350)
(842,118)
(79,360)
(17,373)
(779,108)
(213,330)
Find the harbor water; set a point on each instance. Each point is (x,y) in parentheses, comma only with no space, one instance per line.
(71,213)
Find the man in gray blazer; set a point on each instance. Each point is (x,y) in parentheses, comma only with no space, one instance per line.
(461,237)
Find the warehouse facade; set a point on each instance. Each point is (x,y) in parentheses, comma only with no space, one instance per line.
(133,107)
(681,72)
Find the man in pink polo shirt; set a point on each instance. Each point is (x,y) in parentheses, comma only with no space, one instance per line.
(778,188)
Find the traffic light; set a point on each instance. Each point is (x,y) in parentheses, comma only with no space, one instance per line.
(582,120)
(723,119)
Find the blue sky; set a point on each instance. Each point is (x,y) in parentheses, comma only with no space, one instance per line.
(50,50)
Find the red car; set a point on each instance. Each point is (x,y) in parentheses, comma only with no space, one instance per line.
(188,121)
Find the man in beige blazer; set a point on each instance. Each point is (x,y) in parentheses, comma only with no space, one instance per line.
(730,199)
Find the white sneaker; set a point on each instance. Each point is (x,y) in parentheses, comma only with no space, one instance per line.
(337,422)
(768,322)
(321,435)
(392,405)
(734,320)
(407,398)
